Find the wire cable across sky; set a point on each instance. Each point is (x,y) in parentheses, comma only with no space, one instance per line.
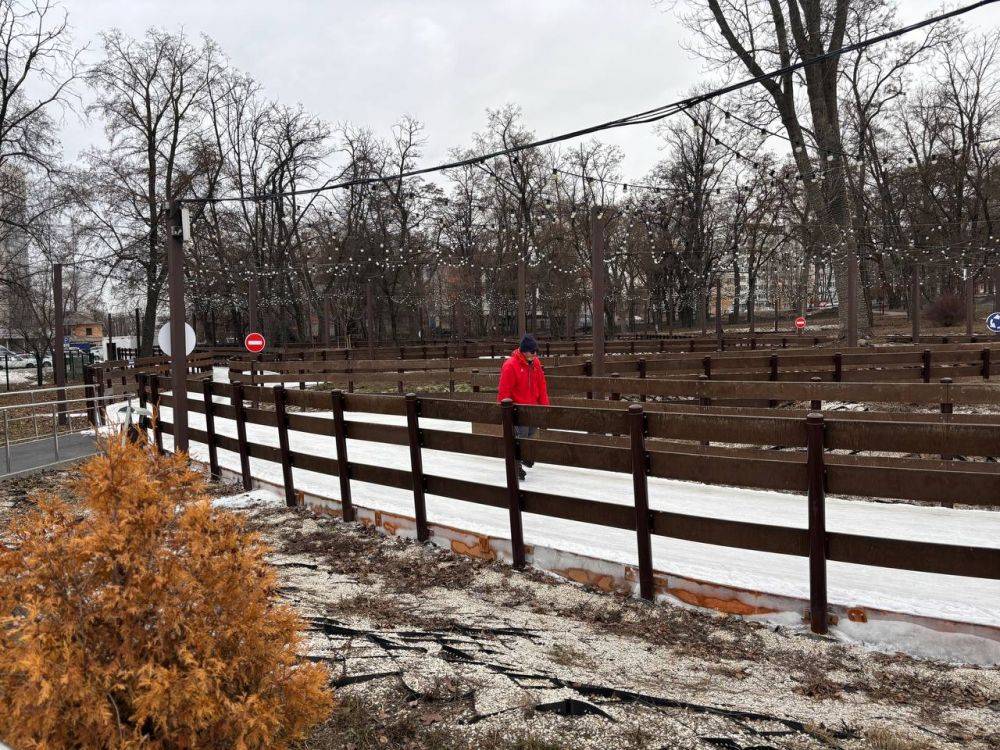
(640,118)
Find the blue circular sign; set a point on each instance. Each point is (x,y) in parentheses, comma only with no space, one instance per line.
(993,322)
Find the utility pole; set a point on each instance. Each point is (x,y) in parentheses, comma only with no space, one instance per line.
(178,344)
(58,334)
(915,303)
(598,225)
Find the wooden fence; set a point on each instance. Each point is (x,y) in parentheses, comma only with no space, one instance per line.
(647,447)
(700,390)
(801,365)
(466,349)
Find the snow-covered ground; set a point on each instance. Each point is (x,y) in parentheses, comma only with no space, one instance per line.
(956,598)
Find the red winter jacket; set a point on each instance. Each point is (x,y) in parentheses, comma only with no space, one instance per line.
(521,381)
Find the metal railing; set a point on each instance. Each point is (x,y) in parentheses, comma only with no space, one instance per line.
(56,412)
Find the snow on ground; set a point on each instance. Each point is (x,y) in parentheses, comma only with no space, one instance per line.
(968,600)
(252,499)
(470,649)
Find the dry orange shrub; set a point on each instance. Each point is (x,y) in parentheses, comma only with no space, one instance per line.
(141,617)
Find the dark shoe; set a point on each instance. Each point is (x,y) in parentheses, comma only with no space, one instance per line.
(521,473)
(527,464)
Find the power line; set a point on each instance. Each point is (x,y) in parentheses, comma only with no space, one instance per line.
(649,116)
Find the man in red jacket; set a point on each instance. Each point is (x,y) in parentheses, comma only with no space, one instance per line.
(522,380)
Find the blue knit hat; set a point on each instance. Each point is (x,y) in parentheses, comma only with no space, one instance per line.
(529,345)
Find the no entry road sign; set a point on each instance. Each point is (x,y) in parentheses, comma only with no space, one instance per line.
(993,322)
(254,342)
(800,322)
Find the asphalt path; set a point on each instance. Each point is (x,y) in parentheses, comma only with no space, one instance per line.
(25,457)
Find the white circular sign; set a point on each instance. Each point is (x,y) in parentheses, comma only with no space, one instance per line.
(164,338)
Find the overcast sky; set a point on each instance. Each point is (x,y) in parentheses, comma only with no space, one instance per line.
(567,63)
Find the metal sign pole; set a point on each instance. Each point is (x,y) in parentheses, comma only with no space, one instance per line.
(252,302)
(58,353)
(178,344)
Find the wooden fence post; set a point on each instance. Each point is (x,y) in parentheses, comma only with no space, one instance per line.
(343,466)
(615,396)
(451,375)
(642,375)
(475,385)
(213,452)
(925,369)
(510,450)
(154,397)
(100,393)
(90,393)
(817,523)
(416,466)
(838,367)
(281,416)
(241,434)
(142,384)
(704,400)
(588,371)
(253,381)
(640,470)
(947,407)
(985,371)
(772,362)
(816,404)
(706,366)
(302,384)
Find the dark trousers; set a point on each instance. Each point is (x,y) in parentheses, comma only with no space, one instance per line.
(524,431)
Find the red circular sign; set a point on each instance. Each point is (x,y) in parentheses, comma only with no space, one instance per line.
(800,322)
(254,342)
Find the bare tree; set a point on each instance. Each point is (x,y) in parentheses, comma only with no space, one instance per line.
(151,94)
(764,34)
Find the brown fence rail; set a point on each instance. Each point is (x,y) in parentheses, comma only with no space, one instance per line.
(575,347)
(645,451)
(873,365)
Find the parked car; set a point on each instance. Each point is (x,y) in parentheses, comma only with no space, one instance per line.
(28,360)
(13,360)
